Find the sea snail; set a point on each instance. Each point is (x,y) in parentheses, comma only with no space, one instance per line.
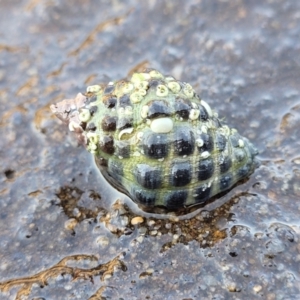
(154,139)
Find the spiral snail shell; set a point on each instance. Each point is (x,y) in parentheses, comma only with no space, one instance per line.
(154,139)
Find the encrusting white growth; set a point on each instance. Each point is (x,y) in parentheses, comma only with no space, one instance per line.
(162,125)
(194,114)
(205,154)
(161,90)
(124,131)
(241,143)
(93,89)
(144,111)
(84,115)
(207,107)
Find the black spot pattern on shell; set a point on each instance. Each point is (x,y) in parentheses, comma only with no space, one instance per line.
(107,144)
(239,154)
(224,163)
(102,162)
(83,125)
(122,149)
(91,127)
(90,99)
(124,101)
(181,174)
(208,142)
(205,169)
(155,145)
(184,141)
(220,141)
(110,101)
(203,116)
(243,171)
(93,109)
(115,169)
(158,108)
(234,139)
(147,176)
(154,83)
(176,199)
(225,182)
(202,193)
(124,123)
(183,107)
(109,123)
(143,196)
(109,89)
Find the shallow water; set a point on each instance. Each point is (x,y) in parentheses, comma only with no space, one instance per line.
(65,234)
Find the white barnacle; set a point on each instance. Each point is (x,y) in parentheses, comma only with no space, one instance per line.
(84,115)
(136,153)
(195,105)
(161,90)
(136,97)
(128,110)
(241,143)
(199,142)
(204,129)
(174,86)
(143,92)
(139,77)
(205,154)
(226,130)
(93,137)
(207,108)
(188,90)
(144,111)
(169,78)
(125,131)
(73,126)
(209,124)
(93,89)
(121,110)
(194,114)
(139,135)
(141,84)
(127,87)
(92,148)
(162,125)
(155,74)
(136,78)
(233,131)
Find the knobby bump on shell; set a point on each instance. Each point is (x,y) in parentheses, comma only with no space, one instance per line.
(154,139)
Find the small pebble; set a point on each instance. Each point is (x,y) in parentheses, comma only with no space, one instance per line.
(257,288)
(137,220)
(70,224)
(102,241)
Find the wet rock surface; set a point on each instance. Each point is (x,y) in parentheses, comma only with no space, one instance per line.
(66,234)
